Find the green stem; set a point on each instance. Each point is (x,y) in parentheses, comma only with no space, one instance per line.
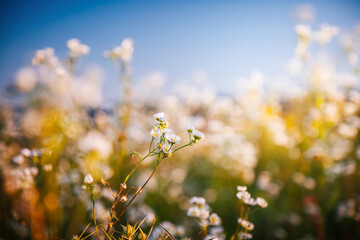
(140,190)
(137,165)
(190,143)
(93,198)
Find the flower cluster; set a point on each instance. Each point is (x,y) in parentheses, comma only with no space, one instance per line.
(246,203)
(76,48)
(45,56)
(123,52)
(163,137)
(201,210)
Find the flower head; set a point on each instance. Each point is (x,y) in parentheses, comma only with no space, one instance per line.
(155,133)
(244,235)
(193,212)
(243,195)
(261,202)
(197,201)
(214,219)
(166,148)
(88,179)
(159,116)
(250,202)
(172,138)
(198,135)
(190,128)
(76,48)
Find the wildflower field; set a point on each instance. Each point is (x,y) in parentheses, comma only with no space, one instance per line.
(185,163)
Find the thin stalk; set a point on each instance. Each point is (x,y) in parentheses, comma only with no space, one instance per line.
(137,165)
(138,192)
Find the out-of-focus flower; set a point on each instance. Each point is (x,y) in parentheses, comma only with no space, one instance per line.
(18,159)
(261,202)
(159,116)
(26,79)
(243,195)
(45,56)
(303,31)
(198,135)
(76,48)
(98,142)
(197,201)
(244,235)
(214,219)
(88,179)
(250,201)
(325,34)
(47,167)
(123,52)
(305,12)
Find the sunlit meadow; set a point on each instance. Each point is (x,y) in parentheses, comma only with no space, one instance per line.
(187,162)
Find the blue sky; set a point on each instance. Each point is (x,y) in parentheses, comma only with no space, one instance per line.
(225,39)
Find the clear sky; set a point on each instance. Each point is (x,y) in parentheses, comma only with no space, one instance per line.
(225,39)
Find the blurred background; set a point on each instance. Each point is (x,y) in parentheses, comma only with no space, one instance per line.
(223,40)
(273,85)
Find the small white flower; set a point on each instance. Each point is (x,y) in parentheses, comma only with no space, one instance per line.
(261,202)
(158,144)
(159,116)
(241,188)
(88,179)
(204,213)
(25,152)
(198,135)
(214,219)
(166,148)
(47,167)
(197,201)
(165,129)
(76,48)
(18,159)
(246,224)
(243,195)
(172,138)
(193,212)
(245,235)
(34,171)
(155,133)
(190,128)
(250,202)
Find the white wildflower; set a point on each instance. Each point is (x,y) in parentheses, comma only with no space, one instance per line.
(47,167)
(214,219)
(243,195)
(241,188)
(198,135)
(172,138)
(76,48)
(193,212)
(197,201)
(25,152)
(155,133)
(261,202)
(88,179)
(159,116)
(250,202)
(245,235)
(158,144)
(190,128)
(166,148)
(18,159)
